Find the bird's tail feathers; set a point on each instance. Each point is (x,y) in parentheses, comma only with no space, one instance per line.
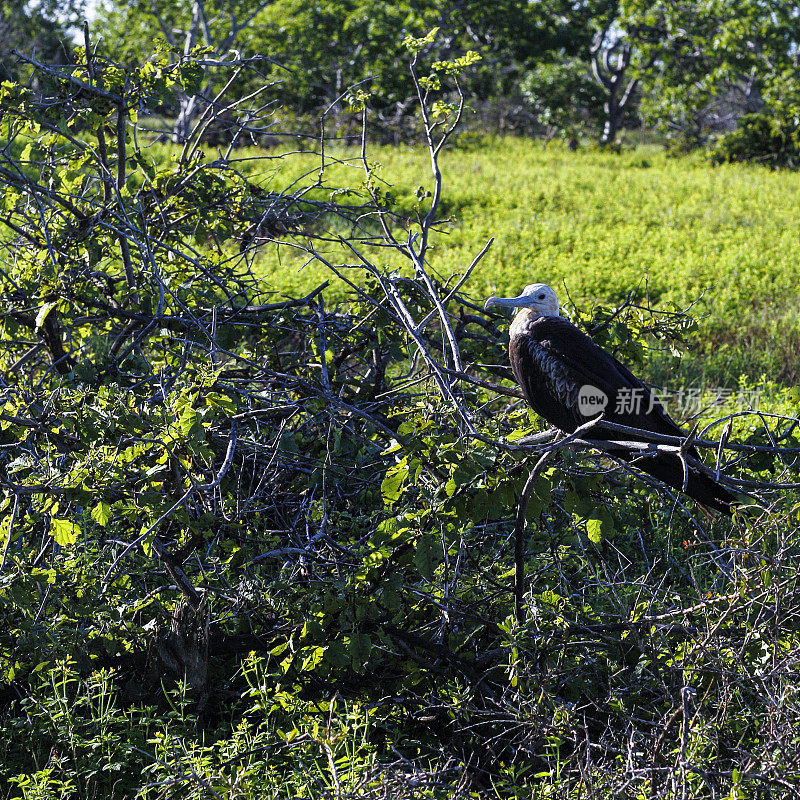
(699,486)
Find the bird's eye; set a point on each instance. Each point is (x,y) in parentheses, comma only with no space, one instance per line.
(541,297)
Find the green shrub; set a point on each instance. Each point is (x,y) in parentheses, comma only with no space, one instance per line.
(564,97)
(762,139)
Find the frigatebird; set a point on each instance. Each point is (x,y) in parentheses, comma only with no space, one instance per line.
(567,379)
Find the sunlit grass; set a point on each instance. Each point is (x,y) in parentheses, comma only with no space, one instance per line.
(595,225)
(598,225)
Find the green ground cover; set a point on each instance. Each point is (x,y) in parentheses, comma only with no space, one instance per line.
(597,225)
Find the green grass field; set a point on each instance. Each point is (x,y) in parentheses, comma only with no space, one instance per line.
(598,225)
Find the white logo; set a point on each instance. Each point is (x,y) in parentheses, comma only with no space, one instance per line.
(591,400)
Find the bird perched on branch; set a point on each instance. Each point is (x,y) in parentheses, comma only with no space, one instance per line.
(569,380)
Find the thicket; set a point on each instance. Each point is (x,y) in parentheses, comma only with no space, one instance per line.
(264,546)
(40,28)
(771,137)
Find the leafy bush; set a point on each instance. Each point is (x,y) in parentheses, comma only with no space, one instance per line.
(564,96)
(762,139)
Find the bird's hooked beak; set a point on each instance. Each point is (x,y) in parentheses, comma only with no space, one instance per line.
(507,302)
(538,297)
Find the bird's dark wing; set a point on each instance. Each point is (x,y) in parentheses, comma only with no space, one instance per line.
(554,360)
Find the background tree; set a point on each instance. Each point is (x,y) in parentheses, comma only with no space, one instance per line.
(694,68)
(220,27)
(715,62)
(564,97)
(42,27)
(625,46)
(611,53)
(322,49)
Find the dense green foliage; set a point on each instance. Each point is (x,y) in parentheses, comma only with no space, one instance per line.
(690,70)
(563,96)
(263,547)
(329,47)
(712,62)
(40,27)
(761,139)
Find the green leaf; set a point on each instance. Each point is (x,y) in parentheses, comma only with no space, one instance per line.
(186,420)
(147,542)
(221,401)
(520,433)
(313,658)
(359,648)
(64,531)
(43,312)
(599,526)
(391,486)
(101,513)
(425,556)
(594,530)
(49,575)
(414,45)
(577,505)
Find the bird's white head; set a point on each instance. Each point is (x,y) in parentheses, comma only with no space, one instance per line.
(538,297)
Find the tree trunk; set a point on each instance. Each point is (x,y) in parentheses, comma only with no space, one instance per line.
(187,108)
(609,64)
(613,114)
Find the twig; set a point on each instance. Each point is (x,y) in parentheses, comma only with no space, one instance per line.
(10,530)
(519,534)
